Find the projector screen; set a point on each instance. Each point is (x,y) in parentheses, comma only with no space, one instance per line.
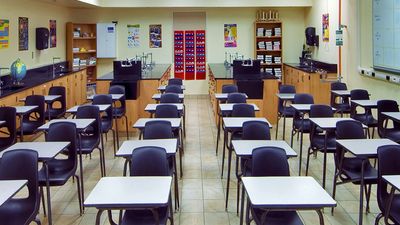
(386,35)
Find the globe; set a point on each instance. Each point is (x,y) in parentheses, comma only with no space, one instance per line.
(18,70)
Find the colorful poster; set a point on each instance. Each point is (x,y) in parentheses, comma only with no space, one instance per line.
(23,33)
(230,35)
(155,33)
(53,33)
(133,35)
(4,33)
(325,27)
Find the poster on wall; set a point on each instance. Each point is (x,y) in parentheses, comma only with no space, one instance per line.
(4,33)
(53,33)
(230,35)
(133,35)
(325,27)
(23,34)
(155,36)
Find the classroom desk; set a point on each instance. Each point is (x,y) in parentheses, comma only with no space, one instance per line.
(244,148)
(115,97)
(328,124)
(9,188)
(395,116)
(157,97)
(224,96)
(74,109)
(151,108)
(341,93)
(394,181)
(367,104)
(48,99)
(46,152)
(118,193)
(21,111)
(285,98)
(161,88)
(364,149)
(81,125)
(285,193)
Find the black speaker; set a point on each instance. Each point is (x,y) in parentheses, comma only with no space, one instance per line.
(42,38)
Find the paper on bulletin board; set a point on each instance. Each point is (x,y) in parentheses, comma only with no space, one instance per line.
(339,37)
(4,33)
(53,33)
(23,33)
(133,35)
(230,35)
(155,33)
(325,27)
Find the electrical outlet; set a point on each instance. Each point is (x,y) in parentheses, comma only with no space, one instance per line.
(395,79)
(368,72)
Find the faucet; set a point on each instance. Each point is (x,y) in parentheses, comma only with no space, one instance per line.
(54,65)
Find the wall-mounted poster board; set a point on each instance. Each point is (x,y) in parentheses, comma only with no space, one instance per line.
(106,40)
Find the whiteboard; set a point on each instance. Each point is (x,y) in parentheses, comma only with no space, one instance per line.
(386,35)
(106,40)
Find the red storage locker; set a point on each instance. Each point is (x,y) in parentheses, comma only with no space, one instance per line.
(179,53)
(190,55)
(200,54)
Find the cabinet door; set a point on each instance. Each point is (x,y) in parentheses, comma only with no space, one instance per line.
(83,86)
(77,89)
(70,91)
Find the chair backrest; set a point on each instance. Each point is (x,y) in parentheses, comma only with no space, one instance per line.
(105,100)
(347,129)
(22,164)
(175,81)
(158,130)
(8,114)
(243,110)
(119,89)
(285,89)
(173,89)
(388,164)
(229,88)
(321,111)
(302,98)
(236,98)
(359,94)
(170,98)
(256,130)
(59,90)
(149,161)
(386,106)
(64,131)
(36,100)
(338,86)
(90,112)
(166,111)
(269,161)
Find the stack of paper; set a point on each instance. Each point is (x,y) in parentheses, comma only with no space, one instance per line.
(277,45)
(278,31)
(260,32)
(277,59)
(261,45)
(278,72)
(268,32)
(268,59)
(261,57)
(268,45)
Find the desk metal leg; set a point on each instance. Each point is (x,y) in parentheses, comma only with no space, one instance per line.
(218,134)
(284,126)
(389,205)
(81,171)
(117,132)
(325,150)
(360,216)
(223,152)
(21,118)
(301,144)
(242,207)
(321,217)
(98,216)
(228,176)
(50,219)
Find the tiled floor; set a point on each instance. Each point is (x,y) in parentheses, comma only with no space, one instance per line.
(202,190)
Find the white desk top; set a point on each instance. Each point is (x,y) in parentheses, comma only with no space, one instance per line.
(113,96)
(245,147)
(170,146)
(329,122)
(304,107)
(9,188)
(45,150)
(74,109)
(285,96)
(342,93)
(393,115)
(140,123)
(287,193)
(47,98)
(162,87)
(24,109)
(366,103)
(152,107)
(364,147)
(228,107)
(129,192)
(237,122)
(393,180)
(224,96)
(80,123)
(158,96)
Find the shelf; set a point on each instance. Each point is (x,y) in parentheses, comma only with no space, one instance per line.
(84,38)
(87,52)
(272,37)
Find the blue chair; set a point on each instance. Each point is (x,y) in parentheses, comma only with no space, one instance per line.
(243,110)
(348,169)
(229,88)
(341,104)
(167,111)
(36,118)
(272,161)
(301,124)
(383,131)
(61,170)
(388,164)
(175,81)
(366,118)
(141,167)
(236,98)
(170,98)
(107,117)
(177,89)
(283,110)
(91,139)
(57,112)
(120,111)
(317,138)
(8,114)
(20,165)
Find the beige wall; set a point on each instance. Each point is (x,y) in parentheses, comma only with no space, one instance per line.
(39,15)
